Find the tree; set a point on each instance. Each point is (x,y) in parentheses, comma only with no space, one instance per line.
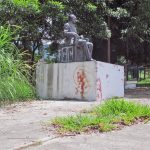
(34,20)
(137,30)
(44,19)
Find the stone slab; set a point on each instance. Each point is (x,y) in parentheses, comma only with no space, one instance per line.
(86,81)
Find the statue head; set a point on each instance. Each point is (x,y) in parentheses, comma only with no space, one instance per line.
(72,18)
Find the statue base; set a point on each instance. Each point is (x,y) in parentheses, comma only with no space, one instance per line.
(71,53)
(85,81)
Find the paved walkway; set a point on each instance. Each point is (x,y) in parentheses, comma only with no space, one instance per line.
(24,125)
(136,137)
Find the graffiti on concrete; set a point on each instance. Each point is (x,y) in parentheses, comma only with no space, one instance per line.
(99,89)
(81,81)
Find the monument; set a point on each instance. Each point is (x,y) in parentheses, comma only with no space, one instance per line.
(77,76)
(75,48)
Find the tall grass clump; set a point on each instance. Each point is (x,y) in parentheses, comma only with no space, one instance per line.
(14,84)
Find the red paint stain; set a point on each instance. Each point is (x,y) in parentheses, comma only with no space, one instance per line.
(99,89)
(82,82)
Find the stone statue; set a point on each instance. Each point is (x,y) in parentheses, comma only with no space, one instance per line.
(71,34)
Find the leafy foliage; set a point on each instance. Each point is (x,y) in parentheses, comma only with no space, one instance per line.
(136,30)
(44,19)
(26,4)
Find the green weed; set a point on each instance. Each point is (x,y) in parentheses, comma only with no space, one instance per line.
(106,117)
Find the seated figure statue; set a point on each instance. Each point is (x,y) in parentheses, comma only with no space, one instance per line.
(70,33)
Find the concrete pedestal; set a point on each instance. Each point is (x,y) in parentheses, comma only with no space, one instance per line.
(86,81)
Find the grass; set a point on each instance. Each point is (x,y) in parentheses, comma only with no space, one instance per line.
(145,82)
(12,90)
(113,114)
(14,72)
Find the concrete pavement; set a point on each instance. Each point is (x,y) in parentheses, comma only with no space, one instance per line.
(23,126)
(136,137)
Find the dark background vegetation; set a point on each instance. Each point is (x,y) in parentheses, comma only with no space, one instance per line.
(43,20)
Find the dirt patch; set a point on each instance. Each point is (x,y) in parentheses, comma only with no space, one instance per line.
(140,95)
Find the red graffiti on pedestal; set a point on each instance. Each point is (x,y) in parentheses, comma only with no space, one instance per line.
(81,80)
(99,89)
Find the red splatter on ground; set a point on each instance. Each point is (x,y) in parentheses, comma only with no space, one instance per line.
(99,89)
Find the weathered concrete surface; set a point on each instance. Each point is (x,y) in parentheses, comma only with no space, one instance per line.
(23,123)
(136,137)
(86,81)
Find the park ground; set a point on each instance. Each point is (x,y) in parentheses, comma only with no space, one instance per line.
(25,125)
